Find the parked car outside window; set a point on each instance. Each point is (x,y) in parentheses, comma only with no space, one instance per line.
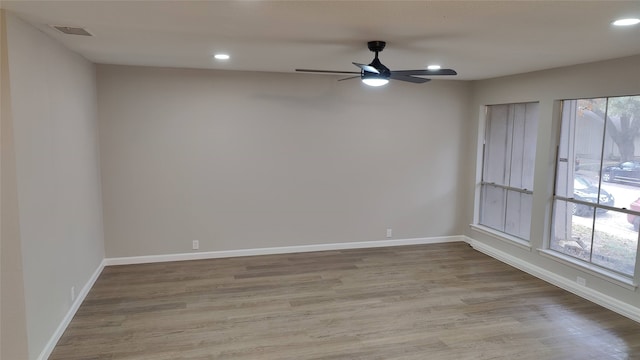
(628,171)
(584,190)
(634,219)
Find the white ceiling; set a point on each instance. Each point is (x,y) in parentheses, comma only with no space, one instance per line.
(479,39)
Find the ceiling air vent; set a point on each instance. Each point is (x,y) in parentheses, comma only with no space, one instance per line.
(70,30)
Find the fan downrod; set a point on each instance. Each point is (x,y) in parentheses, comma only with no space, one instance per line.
(376,46)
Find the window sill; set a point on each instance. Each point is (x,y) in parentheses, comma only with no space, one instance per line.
(523,244)
(590,269)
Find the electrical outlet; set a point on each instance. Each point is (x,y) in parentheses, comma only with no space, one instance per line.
(73,293)
(389,233)
(581,281)
(195,245)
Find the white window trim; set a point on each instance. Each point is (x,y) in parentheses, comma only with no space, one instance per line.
(499,235)
(591,269)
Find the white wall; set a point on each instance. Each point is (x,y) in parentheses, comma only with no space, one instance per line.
(252,160)
(607,78)
(53,101)
(13,320)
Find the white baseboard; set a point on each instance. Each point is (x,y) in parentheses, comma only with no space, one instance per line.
(278,250)
(51,344)
(592,295)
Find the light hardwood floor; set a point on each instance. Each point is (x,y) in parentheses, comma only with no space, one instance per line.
(442,301)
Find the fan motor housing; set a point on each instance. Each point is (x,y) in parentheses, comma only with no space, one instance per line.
(376,46)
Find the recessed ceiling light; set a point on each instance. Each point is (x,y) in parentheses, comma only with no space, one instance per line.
(434,67)
(221,56)
(626,22)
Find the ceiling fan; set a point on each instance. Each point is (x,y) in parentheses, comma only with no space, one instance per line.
(376,74)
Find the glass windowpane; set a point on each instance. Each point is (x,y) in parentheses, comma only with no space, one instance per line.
(615,243)
(572,233)
(492,210)
(496,145)
(518,214)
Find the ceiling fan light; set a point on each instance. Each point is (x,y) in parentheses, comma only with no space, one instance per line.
(626,22)
(375,81)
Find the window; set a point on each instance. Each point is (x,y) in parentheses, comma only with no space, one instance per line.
(507,172)
(596,213)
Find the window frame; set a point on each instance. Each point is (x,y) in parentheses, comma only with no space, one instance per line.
(630,282)
(482,183)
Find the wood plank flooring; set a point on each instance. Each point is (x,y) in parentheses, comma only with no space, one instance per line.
(442,301)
